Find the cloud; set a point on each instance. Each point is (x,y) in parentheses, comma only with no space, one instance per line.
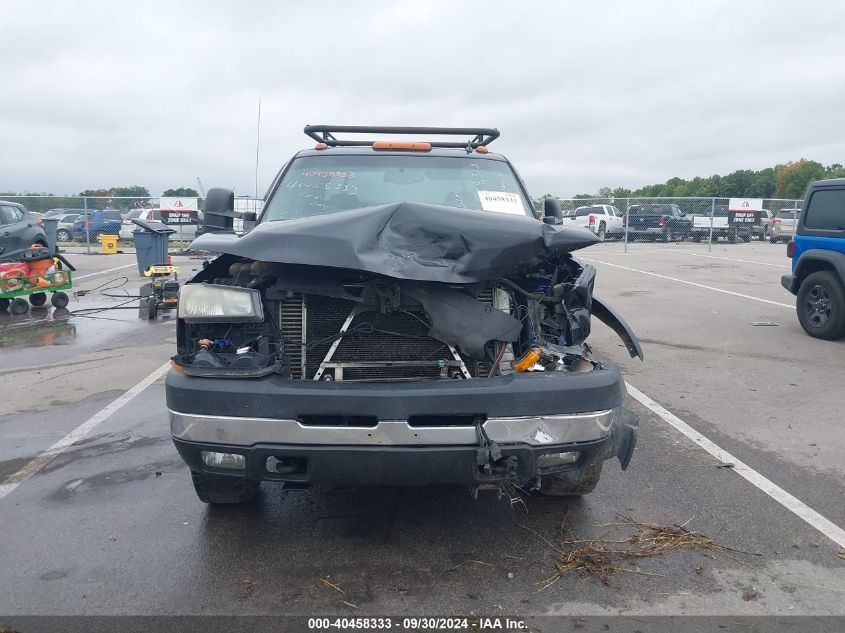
(612,93)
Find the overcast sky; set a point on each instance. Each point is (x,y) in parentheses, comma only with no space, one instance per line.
(99,94)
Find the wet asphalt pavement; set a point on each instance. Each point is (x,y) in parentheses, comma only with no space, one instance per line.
(112,525)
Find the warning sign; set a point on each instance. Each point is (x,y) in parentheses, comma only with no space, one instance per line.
(179,210)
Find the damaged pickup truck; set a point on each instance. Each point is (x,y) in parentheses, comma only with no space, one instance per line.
(397,315)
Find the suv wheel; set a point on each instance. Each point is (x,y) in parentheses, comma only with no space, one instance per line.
(63,235)
(821,305)
(602,231)
(557,486)
(223,489)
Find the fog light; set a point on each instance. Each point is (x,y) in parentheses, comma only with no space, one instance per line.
(551,460)
(232,461)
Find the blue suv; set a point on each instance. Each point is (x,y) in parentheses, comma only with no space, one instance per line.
(818,261)
(106,222)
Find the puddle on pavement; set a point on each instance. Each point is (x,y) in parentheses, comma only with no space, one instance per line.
(87,322)
(38,328)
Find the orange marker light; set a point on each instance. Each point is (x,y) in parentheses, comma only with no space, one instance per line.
(527,361)
(419,147)
(482,149)
(320,146)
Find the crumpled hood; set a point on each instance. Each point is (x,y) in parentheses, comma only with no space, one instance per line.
(422,242)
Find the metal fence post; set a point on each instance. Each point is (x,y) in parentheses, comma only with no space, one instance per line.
(712,213)
(627,220)
(87,240)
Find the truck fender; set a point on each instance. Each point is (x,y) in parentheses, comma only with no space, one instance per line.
(612,319)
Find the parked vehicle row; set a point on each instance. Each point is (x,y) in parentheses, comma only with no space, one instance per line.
(668,223)
(81,224)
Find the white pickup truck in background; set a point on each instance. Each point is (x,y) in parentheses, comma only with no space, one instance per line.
(722,227)
(602,219)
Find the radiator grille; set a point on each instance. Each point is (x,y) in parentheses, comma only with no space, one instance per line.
(290,318)
(398,336)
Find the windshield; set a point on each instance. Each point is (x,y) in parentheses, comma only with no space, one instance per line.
(316,185)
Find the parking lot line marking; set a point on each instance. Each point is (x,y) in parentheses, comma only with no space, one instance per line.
(692,283)
(731,259)
(78,433)
(101,272)
(797,507)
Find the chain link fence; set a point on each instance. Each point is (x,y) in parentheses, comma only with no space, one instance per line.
(82,220)
(677,220)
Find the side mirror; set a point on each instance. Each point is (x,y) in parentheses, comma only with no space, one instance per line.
(551,211)
(249,216)
(219,210)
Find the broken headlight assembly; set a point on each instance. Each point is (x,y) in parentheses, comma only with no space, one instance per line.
(210,303)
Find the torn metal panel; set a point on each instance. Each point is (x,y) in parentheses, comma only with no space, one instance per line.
(612,319)
(578,304)
(413,241)
(459,319)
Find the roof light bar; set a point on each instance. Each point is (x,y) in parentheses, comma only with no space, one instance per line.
(326,134)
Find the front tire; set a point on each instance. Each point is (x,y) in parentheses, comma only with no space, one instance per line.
(556,486)
(63,235)
(602,231)
(821,306)
(219,489)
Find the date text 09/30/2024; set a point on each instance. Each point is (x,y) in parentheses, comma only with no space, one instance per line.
(418,624)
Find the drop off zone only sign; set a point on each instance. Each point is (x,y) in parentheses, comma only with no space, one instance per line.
(745,210)
(178,210)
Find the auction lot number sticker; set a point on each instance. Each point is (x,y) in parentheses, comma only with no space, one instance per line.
(417,624)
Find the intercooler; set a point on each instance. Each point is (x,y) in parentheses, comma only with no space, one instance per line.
(374,346)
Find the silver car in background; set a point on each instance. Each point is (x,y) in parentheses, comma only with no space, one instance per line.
(783,226)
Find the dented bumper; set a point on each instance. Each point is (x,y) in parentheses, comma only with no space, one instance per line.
(407,434)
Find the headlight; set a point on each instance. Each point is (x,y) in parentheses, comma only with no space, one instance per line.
(211,303)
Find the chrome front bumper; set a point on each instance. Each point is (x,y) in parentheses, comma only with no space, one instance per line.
(530,430)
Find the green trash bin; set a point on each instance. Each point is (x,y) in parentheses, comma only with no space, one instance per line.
(151,239)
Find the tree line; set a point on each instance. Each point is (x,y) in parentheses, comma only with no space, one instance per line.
(788,181)
(136,191)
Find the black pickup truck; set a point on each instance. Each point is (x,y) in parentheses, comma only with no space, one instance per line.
(665,222)
(398,315)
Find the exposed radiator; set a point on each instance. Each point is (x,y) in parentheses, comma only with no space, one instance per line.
(378,347)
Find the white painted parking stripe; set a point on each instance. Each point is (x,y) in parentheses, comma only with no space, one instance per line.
(102,272)
(732,259)
(692,283)
(78,433)
(797,507)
